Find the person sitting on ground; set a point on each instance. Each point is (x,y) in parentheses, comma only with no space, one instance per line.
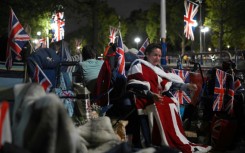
(156,105)
(90,67)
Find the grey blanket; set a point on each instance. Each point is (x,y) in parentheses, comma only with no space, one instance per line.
(40,122)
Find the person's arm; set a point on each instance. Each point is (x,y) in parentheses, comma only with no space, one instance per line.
(184,86)
(145,94)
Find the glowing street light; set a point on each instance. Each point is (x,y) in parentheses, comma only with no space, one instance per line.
(35,41)
(39,33)
(204,30)
(137,40)
(209,49)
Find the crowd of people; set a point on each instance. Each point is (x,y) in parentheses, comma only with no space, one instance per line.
(156,119)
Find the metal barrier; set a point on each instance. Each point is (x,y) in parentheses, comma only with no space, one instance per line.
(206,59)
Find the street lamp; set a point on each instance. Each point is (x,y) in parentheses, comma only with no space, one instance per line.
(204,30)
(228,46)
(137,40)
(39,33)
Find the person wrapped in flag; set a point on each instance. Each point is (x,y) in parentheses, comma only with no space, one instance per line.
(156,105)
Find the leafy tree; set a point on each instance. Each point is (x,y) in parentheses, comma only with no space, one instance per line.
(98,17)
(153,25)
(226,19)
(136,24)
(175,26)
(35,14)
(174,18)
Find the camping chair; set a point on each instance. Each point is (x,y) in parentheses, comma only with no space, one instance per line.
(64,84)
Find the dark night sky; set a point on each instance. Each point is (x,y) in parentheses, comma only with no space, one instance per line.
(124,7)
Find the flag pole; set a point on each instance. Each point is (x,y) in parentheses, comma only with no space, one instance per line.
(163,32)
(27,54)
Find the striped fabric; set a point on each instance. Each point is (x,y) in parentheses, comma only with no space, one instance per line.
(74,58)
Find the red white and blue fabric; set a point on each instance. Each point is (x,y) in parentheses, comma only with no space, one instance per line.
(42,79)
(120,55)
(164,119)
(5,125)
(17,38)
(113,33)
(237,85)
(182,96)
(229,101)
(190,12)
(42,43)
(219,90)
(141,53)
(58,26)
(68,102)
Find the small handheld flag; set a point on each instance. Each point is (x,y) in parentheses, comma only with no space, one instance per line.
(41,78)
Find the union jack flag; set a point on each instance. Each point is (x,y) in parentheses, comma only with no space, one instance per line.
(113,32)
(237,85)
(141,53)
(228,103)
(182,96)
(41,78)
(58,26)
(17,38)
(219,90)
(120,55)
(190,12)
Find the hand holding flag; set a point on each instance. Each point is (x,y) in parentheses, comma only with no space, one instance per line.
(113,32)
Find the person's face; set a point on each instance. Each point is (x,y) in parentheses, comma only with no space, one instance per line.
(155,56)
